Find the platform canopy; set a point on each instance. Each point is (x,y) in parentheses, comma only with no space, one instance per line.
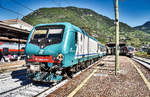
(112,44)
(12,32)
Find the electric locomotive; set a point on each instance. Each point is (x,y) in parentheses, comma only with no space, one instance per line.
(130,51)
(57,50)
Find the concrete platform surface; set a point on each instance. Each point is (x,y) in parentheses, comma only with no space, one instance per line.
(100,81)
(10,66)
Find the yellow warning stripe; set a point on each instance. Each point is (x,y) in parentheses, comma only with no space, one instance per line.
(81,85)
(142,75)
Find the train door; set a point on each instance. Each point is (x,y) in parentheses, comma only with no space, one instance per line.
(98,49)
(88,52)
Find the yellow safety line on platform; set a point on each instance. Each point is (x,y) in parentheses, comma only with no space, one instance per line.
(81,85)
(142,75)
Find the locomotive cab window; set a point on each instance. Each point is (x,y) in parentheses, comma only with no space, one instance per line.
(51,34)
(39,34)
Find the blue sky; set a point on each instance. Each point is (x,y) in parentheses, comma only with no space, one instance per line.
(132,12)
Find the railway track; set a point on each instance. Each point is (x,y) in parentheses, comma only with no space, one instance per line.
(12,74)
(16,84)
(145,62)
(25,88)
(28,90)
(12,80)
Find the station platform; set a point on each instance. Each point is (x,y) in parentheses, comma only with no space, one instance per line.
(132,80)
(10,66)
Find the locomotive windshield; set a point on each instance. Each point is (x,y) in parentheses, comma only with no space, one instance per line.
(130,49)
(47,35)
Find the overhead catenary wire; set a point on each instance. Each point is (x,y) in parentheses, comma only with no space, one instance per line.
(10,10)
(22,5)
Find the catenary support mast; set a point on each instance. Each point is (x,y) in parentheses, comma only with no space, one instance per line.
(117,37)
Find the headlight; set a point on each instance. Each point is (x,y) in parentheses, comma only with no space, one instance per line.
(35,67)
(60,57)
(29,57)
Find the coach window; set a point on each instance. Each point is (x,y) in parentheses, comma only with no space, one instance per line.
(76,37)
(101,49)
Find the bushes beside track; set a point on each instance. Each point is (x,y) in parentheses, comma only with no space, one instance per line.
(142,54)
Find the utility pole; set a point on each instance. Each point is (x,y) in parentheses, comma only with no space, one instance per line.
(117,37)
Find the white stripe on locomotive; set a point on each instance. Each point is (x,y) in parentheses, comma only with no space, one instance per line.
(82,46)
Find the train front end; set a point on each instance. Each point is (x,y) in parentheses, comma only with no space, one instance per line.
(130,51)
(43,53)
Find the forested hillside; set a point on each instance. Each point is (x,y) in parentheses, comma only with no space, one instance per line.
(99,26)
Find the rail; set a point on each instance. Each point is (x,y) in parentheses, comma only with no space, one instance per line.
(145,62)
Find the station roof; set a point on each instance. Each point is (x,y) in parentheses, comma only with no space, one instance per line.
(12,32)
(112,44)
(18,23)
(5,39)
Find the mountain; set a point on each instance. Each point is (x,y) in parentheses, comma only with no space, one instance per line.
(145,27)
(99,26)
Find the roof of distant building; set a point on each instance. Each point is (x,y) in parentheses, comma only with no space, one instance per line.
(16,21)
